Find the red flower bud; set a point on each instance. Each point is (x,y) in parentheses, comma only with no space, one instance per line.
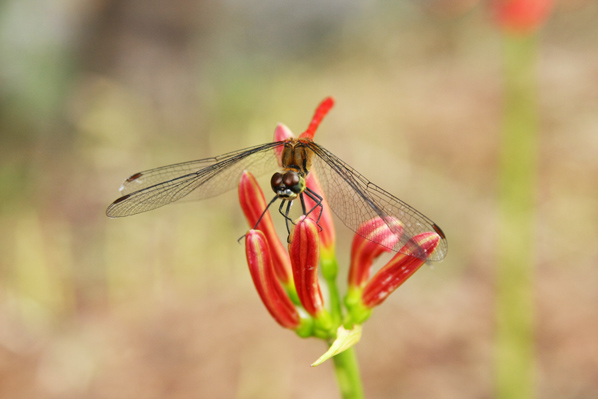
(364,250)
(253,203)
(399,269)
(267,284)
(320,113)
(281,133)
(304,250)
(521,16)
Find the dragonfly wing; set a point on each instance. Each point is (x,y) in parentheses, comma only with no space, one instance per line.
(193,180)
(151,177)
(355,200)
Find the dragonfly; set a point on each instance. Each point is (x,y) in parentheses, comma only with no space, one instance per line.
(353,198)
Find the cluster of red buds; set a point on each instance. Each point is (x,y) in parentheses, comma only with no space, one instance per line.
(287,279)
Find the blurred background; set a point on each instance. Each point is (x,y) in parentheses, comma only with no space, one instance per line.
(161,305)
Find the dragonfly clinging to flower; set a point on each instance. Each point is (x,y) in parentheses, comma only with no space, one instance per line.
(352,197)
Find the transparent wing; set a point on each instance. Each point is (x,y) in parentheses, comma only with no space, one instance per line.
(193,180)
(152,177)
(355,200)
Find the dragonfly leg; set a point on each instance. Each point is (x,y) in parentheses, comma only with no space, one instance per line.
(302,204)
(260,218)
(287,211)
(285,214)
(307,213)
(265,210)
(280,208)
(318,200)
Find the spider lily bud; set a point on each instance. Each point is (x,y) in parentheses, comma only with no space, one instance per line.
(399,269)
(281,133)
(268,286)
(253,203)
(365,249)
(304,250)
(320,113)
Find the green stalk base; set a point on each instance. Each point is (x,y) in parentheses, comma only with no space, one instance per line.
(347,374)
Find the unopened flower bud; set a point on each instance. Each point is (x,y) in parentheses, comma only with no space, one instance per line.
(266,283)
(399,269)
(304,250)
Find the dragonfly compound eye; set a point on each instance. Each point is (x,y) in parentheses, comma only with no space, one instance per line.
(291,178)
(276,181)
(294,181)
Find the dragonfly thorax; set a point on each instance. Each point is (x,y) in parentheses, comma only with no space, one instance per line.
(288,185)
(297,155)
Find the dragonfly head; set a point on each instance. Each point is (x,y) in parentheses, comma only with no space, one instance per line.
(288,185)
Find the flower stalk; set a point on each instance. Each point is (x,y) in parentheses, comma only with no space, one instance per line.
(346,369)
(515,368)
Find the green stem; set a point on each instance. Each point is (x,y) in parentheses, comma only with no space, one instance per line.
(514,350)
(345,363)
(329,272)
(347,374)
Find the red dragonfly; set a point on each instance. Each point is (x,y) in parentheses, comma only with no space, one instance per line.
(352,197)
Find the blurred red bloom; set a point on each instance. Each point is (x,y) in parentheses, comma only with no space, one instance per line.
(270,290)
(521,16)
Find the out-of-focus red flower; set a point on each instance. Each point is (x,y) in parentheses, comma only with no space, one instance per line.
(521,16)
(266,282)
(364,250)
(304,250)
(253,203)
(399,269)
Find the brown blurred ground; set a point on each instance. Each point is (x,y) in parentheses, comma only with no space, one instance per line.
(161,305)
